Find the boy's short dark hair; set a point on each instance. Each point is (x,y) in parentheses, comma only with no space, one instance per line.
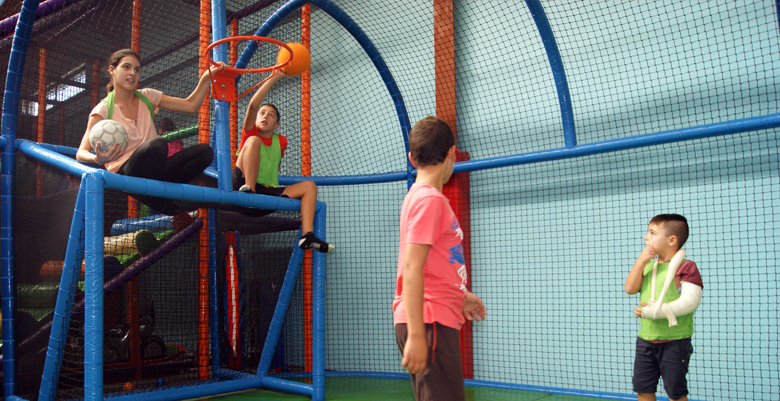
(278,116)
(674,224)
(429,141)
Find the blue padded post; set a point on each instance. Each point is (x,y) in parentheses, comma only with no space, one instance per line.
(277,321)
(318,309)
(221,108)
(93,286)
(66,296)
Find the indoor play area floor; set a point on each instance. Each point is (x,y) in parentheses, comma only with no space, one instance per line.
(382,389)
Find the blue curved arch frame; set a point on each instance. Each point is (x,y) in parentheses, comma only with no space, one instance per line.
(353,28)
(559,73)
(13,83)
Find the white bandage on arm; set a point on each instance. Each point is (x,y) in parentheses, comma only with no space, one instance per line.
(653,309)
(690,298)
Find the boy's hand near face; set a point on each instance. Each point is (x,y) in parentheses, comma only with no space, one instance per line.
(634,279)
(648,254)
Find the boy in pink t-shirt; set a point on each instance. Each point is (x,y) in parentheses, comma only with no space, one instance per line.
(431,300)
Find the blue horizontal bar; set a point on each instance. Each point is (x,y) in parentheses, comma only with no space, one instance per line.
(678,135)
(65,150)
(159,188)
(348,179)
(551,390)
(194,391)
(44,155)
(288,386)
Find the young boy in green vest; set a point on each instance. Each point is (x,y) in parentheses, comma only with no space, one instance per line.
(259,156)
(663,347)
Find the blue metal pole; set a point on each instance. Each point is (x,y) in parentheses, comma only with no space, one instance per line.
(13,83)
(318,309)
(559,73)
(214,311)
(93,287)
(749,124)
(634,142)
(66,296)
(283,302)
(193,391)
(158,188)
(221,108)
(224,169)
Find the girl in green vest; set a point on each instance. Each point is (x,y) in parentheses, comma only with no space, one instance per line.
(259,156)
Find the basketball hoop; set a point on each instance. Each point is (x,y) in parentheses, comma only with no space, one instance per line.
(224,82)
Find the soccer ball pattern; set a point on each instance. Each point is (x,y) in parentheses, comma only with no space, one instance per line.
(108,132)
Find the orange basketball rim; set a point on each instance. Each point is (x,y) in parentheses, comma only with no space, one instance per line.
(224,82)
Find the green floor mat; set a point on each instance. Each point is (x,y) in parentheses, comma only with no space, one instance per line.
(376,389)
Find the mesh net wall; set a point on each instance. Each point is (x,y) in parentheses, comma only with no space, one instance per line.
(551,242)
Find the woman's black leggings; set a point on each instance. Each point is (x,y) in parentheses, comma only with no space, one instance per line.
(151,160)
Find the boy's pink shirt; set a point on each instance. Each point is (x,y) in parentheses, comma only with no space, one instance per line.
(427,218)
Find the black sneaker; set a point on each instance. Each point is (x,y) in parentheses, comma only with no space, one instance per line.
(309,241)
(245,188)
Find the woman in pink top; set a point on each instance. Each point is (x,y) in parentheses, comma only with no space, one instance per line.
(146,155)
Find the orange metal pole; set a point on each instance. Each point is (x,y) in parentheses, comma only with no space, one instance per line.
(457,189)
(133,287)
(233,110)
(41,122)
(136,27)
(61,126)
(203,240)
(95,92)
(306,171)
(444,63)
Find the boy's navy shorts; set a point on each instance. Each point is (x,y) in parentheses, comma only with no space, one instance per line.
(668,360)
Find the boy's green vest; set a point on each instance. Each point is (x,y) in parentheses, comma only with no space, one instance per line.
(659,329)
(270,157)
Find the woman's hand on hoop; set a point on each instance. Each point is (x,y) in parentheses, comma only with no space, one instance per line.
(218,67)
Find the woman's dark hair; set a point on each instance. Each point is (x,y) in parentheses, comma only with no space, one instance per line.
(114,60)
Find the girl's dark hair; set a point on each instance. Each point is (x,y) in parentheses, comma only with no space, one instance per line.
(429,141)
(165,125)
(114,60)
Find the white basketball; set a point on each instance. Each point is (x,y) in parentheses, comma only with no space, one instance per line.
(108,132)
